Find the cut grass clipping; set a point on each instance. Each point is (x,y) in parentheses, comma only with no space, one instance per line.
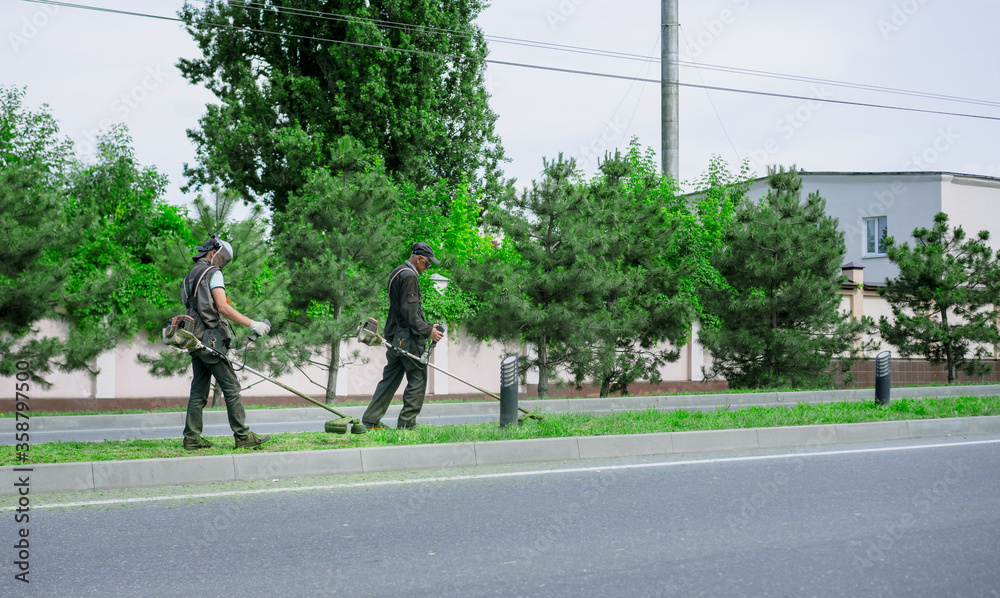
(554,426)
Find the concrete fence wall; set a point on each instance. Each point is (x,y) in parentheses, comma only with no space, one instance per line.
(122,382)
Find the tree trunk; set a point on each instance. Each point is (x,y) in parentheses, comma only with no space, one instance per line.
(331,378)
(947,347)
(216,394)
(334,369)
(543,368)
(605,385)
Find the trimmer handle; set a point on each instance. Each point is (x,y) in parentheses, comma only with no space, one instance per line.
(255,336)
(439,328)
(430,348)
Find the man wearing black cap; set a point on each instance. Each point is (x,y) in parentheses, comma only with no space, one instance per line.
(405,328)
(203,293)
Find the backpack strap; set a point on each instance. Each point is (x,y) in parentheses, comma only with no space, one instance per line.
(193,297)
(398,272)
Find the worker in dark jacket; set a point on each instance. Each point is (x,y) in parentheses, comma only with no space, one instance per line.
(203,293)
(407,329)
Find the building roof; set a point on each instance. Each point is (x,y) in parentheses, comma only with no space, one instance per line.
(891,173)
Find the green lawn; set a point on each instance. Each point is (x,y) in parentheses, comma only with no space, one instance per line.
(554,426)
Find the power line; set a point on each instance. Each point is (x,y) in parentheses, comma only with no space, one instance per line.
(714,109)
(521,64)
(590,151)
(607,53)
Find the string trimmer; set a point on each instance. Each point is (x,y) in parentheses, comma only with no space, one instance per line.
(178,334)
(368,334)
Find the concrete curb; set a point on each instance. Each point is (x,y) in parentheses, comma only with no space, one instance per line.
(107,475)
(703,402)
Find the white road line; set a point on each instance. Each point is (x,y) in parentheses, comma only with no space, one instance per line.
(512,474)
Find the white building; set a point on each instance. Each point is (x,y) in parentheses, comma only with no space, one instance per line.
(868,204)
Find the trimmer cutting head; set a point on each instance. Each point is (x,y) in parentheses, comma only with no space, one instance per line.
(337,425)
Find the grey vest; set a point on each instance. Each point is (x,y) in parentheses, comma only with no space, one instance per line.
(199,302)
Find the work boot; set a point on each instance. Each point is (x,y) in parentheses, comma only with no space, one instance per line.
(378,426)
(252,441)
(200,443)
(404,426)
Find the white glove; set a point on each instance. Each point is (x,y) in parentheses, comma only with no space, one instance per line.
(259,327)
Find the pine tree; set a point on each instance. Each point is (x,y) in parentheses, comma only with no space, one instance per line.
(36,232)
(778,319)
(32,277)
(549,273)
(624,338)
(338,243)
(943,299)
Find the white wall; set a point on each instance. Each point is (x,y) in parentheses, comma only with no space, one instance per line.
(974,204)
(908,200)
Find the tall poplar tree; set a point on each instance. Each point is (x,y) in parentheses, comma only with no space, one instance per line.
(777,313)
(403,77)
(944,299)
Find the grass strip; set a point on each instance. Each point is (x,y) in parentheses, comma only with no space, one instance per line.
(554,426)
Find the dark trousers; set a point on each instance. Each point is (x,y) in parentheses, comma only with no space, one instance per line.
(413,396)
(206,366)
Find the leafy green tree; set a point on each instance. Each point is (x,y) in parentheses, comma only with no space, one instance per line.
(114,280)
(943,299)
(448,220)
(337,240)
(624,338)
(285,100)
(700,221)
(35,230)
(543,282)
(778,318)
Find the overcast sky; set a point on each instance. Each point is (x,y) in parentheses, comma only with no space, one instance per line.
(93,69)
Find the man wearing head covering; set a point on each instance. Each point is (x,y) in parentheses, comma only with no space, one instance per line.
(203,293)
(405,328)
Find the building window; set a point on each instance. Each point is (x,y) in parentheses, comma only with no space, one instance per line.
(875,233)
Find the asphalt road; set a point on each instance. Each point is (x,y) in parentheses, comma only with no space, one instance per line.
(846,521)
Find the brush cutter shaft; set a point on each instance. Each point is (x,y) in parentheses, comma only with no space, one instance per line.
(405,353)
(291,390)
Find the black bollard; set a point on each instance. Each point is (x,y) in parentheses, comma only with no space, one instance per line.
(883,377)
(508,391)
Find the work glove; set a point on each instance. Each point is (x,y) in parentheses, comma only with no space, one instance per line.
(260,328)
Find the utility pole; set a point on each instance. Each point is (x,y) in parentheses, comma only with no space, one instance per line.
(669,101)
